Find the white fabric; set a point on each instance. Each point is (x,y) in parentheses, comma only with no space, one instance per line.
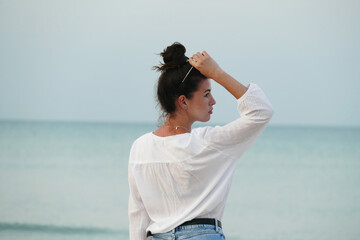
(181,177)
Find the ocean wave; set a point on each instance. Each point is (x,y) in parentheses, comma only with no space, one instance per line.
(28,227)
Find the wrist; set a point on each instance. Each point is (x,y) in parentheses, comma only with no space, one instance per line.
(218,75)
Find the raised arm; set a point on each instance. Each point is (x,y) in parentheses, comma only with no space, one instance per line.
(254,108)
(208,67)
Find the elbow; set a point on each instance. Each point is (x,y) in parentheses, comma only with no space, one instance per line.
(268,113)
(262,116)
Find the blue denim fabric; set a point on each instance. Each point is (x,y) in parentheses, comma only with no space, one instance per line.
(191,232)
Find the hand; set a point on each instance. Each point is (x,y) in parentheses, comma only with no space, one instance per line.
(208,67)
(205,64)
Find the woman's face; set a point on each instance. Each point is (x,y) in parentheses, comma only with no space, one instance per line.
(200,105)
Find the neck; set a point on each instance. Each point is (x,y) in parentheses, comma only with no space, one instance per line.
(178,123)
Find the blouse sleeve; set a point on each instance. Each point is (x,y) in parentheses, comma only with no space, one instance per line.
(138,217)
(237,136)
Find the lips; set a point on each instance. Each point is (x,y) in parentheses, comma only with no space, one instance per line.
(210,112)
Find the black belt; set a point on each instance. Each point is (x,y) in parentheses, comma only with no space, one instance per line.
(209,221)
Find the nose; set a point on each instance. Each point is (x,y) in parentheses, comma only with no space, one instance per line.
(213,102)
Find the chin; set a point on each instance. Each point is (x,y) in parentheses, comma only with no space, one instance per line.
(204,119)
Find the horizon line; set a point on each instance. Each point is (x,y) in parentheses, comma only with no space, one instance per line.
(156,123)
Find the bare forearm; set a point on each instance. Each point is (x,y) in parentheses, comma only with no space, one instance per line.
(229,83)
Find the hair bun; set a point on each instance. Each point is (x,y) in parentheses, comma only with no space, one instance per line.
(173,56)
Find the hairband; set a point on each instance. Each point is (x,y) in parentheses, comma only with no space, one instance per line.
(187,72)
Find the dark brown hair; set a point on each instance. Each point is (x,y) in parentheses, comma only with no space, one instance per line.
(173,71)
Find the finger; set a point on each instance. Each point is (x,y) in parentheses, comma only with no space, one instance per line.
(199,54)
(195,57)
(204,53)
(192,61)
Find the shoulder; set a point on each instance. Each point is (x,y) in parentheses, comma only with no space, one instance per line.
(138,145)
(199,133)
(141,140)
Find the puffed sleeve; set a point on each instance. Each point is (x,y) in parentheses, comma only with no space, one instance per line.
(236,137)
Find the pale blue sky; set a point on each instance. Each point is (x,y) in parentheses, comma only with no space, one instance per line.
(91,60)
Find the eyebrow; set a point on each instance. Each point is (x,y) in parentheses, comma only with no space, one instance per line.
(207,90)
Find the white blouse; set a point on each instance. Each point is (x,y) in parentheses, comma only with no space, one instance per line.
(178,178)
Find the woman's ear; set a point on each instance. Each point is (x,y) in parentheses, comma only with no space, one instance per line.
(182,102)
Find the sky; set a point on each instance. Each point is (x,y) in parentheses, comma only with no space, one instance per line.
(90,60)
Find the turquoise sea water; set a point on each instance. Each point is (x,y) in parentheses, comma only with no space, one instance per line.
(69,181)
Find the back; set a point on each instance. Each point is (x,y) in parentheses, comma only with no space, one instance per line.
(180,177)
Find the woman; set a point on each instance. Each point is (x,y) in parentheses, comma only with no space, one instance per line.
(180,177)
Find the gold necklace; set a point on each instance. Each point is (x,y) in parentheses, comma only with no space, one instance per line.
(177,127)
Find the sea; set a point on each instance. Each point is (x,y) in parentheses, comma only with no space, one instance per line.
(68,180)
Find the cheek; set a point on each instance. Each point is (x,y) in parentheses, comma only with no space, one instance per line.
(204,109)
(202,105)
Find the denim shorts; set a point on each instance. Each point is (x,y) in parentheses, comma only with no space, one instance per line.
(191,232)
